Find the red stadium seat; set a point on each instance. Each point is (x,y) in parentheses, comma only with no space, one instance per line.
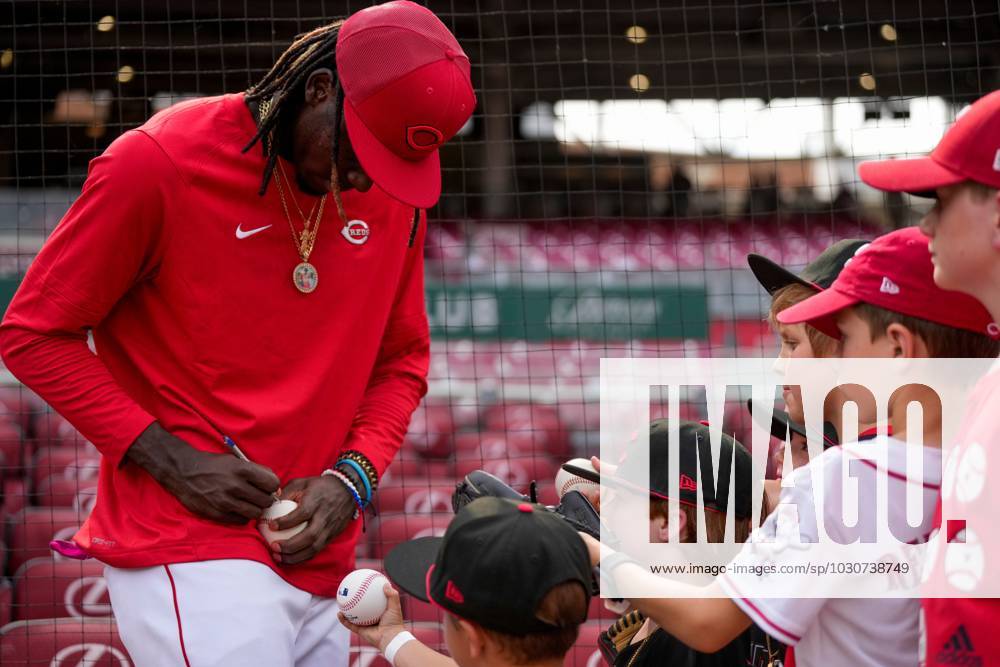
(14,447)
(363,655)
(497,444)
(53,430)
(576,415)
(58,491)
(6,601)
(22,404)
(394,529)
(33,528)
(430,431)
(15,496)
(63,642)
(82,463)
(541,420)
(407,469)
(415,497)
(49,588)
(585,652)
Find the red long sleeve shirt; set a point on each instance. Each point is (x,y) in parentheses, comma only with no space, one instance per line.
(200,327)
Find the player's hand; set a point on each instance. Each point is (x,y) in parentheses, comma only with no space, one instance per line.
(219,487)
(328,507)
(390,625)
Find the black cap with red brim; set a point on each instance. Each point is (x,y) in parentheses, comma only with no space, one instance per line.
(496,562)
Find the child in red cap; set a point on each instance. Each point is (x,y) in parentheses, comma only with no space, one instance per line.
(963,173)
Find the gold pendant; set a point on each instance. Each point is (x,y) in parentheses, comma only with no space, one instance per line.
(305,277)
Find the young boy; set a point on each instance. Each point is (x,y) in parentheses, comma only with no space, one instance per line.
(513,579)
(634,640)
(963,173)
(799,341)
(917,320)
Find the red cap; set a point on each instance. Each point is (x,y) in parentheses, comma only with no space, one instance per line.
(968,151)
(407,90)
(893,272)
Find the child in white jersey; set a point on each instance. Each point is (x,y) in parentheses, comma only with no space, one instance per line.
(916,320)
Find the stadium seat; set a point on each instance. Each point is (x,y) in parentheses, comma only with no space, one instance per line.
(49,588)
(393,529)
(82,463)
(416,497)
(33,528)
(585,652)
(15,496)
(65,642)
(53,430)
(6,601)
(430,431)
(408,469)
(23,405)
(14,448)
(528,418)
(496,444)
(58,491)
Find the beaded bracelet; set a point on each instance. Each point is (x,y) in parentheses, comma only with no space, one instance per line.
(350,463)
(369,470)
(350,487)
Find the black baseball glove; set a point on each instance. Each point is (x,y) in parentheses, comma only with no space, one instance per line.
(574,506)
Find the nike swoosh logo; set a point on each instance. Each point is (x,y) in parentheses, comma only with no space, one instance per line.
(241,234)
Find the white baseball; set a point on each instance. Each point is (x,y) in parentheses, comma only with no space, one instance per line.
(361,598)
(567,481)
(278,509)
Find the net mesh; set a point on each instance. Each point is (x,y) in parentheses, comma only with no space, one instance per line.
(623,160)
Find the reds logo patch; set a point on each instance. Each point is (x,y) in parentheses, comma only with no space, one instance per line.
(356,232)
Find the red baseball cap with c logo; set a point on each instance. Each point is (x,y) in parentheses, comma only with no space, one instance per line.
(407,90)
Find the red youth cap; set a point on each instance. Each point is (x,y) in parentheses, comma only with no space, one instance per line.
(407,90)
(893,272)
(969,151)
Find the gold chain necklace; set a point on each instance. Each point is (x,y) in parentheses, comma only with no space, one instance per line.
(304,276)
(307,220)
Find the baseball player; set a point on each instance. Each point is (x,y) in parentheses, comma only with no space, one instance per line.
(919,319)
(513,578)
(963,174)
(250,266)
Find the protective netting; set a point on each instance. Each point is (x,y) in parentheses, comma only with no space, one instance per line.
(623,160)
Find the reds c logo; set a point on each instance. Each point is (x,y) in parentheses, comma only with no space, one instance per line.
(356,232)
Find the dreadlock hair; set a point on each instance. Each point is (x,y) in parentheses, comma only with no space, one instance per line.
(284,87)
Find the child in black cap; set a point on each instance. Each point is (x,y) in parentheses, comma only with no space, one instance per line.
(513,578)
(634,640)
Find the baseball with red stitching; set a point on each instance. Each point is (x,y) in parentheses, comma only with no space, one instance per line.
(567,481)
(361,597)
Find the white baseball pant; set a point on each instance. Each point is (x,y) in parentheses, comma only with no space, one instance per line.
(223,613)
